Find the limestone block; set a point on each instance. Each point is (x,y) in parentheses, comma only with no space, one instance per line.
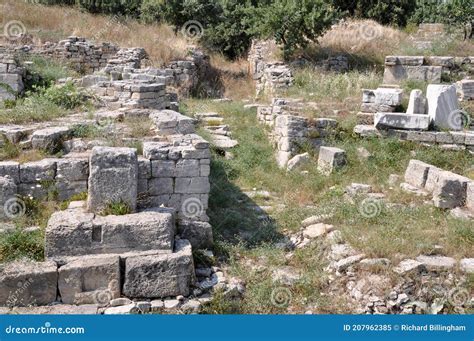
(90,280)
(44,170)
(160,276)
(8,190)
(443,107)
(331,159)
(388,96)
(50,139)
(432,178)
(470,196)
(11,169)
(450,190)
(417,103)
(67,189)
(160,186)
(198,233)
(196,185)
(401,121)
(156,150)
(170,122)
(72,169)
(187,168)
(163,168)
(417,173)
(144,168)
(437,263)
(75,233)
(113,177)
(298,161)
(404,60)
(28,283)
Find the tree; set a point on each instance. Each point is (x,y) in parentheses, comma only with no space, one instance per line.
(295,23)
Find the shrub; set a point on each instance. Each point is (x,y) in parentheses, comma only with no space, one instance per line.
(67,96)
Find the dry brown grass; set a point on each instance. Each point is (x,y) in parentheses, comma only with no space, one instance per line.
(235,77)
(363,37)
(52,23)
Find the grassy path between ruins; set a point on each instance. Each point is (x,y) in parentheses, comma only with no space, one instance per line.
(247,243)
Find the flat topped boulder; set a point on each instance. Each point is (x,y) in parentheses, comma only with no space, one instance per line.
(28,283)
(113,178)
(73,233)
(169,122)
(50,139)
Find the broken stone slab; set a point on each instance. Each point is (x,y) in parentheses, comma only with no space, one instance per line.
(50,139)
(358,189)
(467,265)
(409,266)
(90,280)
(406,187)
(450,190)
(76,233)
(366,130)
(160,276)
(169,122)
(286,275)
(432,178)
(122,310)
(388,97)
(331,159)
(113,178)
(416,173)
(198,233)
(417,103)
(72,169)
(223,142)
(315,220)
(369,263)
(437,263)
(44,170)
(317,230)
(298,161)
(443,107)
(11,169)
(24,283)
(401,121)
(345,263)
(405,60)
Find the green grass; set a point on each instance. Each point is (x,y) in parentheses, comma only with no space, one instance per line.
(20,244)
(116,208)
(243,237)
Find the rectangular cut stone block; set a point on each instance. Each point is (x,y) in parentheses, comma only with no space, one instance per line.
(90,280)
(75,233)
(113,178)
(401,121)
(196,185)
(160,276)
(450,190)
(8,190)
(144,168)
(331,159)
(187,168)
(72,169)
(44,170)
(397,73)
(417,173)
(389,97)
(11,169)
(163,168)
(432,179)
(28,283)
(50,139)
(170,122)
(156,150)
(443,107)
(417,103)
(66,189)
(160,186)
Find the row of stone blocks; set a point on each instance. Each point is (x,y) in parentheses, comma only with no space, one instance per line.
(92,260)
(449,190)
(11,78)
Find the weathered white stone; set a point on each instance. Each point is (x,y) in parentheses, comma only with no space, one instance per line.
(113,178)
(196,185)
(44,170)
(122,310)
(384,120)
(28,283)
(467,265)
(298,161)
(286,275)
(90,280)
(72,169)
(450,190)
(50,139)
(417,173)
(117,302)
(11,169)
(317,230)
(417,103)
(169,122)
(8,190)
(345,263)
(409,266)
(162,275)
(357,189)
(198,233)
(388,96)
(437,263)
(331,159)
(443,106)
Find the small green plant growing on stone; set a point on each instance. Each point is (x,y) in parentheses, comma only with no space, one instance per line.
(8,150)
(116,208)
